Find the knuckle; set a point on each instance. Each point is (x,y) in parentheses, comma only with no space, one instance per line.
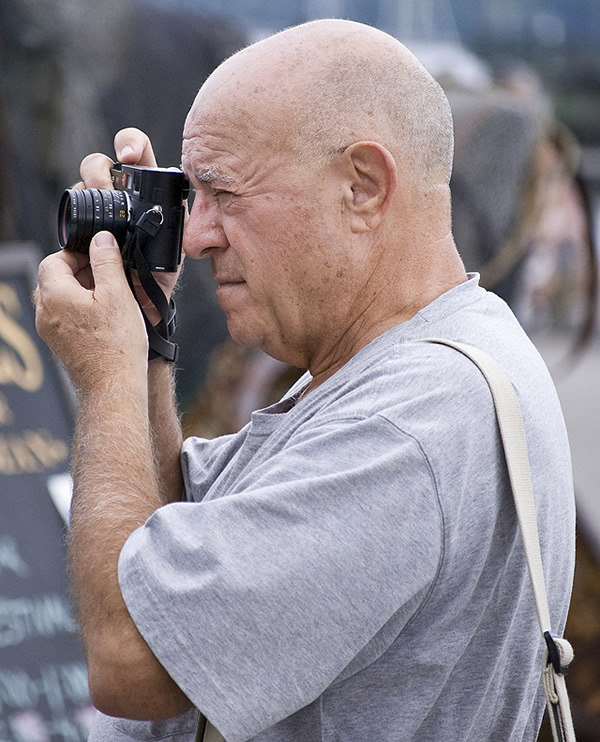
(42,272)
(137,145)
(95,171)
(132,136)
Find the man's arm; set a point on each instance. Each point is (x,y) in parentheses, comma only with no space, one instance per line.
(116,488)
(125,460)
(165,429)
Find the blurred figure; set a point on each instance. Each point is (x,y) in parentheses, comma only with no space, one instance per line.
(520,212)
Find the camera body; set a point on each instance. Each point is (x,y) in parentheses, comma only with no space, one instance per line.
(146,205)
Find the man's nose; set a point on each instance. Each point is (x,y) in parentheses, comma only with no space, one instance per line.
(203,228)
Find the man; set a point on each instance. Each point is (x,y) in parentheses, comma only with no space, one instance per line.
(349,566)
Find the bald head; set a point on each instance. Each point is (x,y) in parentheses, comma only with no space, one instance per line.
(320,159)
(314,89)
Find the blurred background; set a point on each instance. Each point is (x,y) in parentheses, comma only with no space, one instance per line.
(523,79)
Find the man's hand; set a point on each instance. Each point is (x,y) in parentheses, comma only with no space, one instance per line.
(88,316)
(132,147)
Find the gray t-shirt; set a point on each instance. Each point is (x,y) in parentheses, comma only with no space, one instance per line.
(349,567)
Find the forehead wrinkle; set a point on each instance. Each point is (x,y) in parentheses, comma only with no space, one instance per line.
(210,156)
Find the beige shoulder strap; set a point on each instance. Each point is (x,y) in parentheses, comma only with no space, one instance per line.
(559,652)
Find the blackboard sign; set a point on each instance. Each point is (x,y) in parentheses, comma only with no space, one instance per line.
(43,677)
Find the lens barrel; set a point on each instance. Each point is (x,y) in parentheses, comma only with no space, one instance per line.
(84,213)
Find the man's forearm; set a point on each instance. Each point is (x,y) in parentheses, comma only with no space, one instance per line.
(115,490)
(125,466)
(165,428)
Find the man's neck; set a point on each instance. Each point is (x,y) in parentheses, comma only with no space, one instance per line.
(399,299)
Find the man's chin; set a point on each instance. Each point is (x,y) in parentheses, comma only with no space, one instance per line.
(242,332)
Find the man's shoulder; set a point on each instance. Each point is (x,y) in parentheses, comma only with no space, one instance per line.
(401,378)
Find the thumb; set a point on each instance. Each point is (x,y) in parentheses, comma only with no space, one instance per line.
(106,261)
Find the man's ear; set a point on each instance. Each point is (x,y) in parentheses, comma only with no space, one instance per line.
(372,181)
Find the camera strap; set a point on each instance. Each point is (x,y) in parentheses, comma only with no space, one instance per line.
(159,336)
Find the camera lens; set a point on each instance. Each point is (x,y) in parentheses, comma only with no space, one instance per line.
(84,213)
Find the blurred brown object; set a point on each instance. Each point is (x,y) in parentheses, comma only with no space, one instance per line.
(238,381)
(583,631)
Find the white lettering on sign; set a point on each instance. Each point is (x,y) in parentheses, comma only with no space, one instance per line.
(57,685)
(10,559)
(62,689)
(28,618)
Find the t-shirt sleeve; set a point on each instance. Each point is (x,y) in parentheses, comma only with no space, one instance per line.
(257,601)
(110,729)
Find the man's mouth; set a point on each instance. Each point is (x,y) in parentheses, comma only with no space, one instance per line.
(227,281)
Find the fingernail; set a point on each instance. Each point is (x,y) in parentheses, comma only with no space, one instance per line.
(104,239)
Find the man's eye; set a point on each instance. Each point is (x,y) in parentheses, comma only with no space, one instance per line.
(219,193)
(190,199)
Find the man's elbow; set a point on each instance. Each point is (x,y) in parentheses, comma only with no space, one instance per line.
(134,688)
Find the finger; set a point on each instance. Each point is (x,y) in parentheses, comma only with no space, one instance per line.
(95,171)
(57,277)
(106,262)
(65,263)
(132,146)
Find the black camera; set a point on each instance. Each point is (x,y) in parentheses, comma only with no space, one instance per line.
(146,207)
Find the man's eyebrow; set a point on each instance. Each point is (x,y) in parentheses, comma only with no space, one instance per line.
(210,175)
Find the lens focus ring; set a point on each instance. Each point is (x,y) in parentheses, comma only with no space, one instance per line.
(84,213)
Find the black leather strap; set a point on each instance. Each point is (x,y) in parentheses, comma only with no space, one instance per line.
(159,336)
